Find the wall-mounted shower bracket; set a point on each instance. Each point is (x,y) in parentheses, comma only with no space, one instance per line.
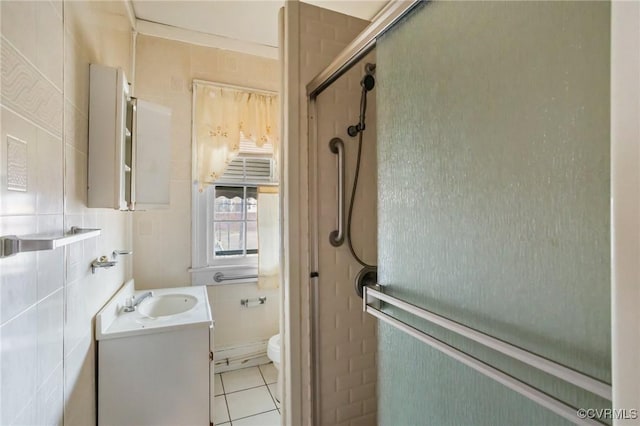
(11,244)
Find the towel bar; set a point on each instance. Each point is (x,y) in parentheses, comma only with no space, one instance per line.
(219,277)
(559,371)
(11,244)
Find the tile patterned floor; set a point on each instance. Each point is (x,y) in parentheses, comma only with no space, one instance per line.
(245,397)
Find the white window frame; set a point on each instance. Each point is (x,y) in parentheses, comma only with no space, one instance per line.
(212,259)
(205,264)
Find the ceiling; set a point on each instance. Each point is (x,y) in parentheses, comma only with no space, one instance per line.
(251,21)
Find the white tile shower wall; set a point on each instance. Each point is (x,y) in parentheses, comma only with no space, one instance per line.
(48,299)
(323,34)
(348,345)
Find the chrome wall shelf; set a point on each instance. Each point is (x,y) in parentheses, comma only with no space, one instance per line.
(11,244)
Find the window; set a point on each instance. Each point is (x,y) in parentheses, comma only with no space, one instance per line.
(235,214)
(235,146)
(226,221)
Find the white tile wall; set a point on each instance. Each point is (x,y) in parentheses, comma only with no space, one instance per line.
(50,399)
(50,271)
(18,284)
(48,299)
(49,176)
(50,331)
(19,364)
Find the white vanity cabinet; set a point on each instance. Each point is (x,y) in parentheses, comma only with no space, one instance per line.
(129,145)
(156,379)
(154,362)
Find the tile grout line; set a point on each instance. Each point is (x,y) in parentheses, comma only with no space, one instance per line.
(265,384)
(246,389)
(251,387)
(273,398)
(224,395)
(254,415)
(262,375)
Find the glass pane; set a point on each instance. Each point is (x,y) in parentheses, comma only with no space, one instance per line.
(252,203)
(252,237)
(229,203)
(507,139)
(228,238)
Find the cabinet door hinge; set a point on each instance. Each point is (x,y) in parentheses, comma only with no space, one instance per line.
(210,356)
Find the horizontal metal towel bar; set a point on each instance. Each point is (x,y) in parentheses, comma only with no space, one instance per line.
(557,370)
(219,277)
(249,303)
(11,244)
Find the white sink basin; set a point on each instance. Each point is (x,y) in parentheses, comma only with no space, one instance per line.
(167,305)
(167,310)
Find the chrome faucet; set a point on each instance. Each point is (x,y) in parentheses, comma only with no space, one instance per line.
(132,303)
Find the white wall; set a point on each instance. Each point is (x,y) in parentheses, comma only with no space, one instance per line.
(48,299)
(237,325)
(165,70)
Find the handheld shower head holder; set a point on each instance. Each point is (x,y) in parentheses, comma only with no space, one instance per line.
(370,68)
(355,129)
(368,82)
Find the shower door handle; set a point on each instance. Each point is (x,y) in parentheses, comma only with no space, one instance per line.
(336,238)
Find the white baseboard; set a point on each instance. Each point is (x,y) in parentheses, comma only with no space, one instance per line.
(241,356)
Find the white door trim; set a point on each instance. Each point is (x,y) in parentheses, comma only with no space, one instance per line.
(625,206)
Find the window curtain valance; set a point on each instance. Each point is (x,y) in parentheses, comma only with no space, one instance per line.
(222,117)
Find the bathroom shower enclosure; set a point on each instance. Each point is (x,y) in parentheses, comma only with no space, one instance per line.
(344,339)
(493,208)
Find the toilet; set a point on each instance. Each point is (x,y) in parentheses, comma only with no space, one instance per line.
(273,352)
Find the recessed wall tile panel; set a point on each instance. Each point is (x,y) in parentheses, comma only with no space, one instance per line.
(18,202)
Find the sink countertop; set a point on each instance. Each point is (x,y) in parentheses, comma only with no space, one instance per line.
(112,322)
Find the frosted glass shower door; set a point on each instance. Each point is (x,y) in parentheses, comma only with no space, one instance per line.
(493,203)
